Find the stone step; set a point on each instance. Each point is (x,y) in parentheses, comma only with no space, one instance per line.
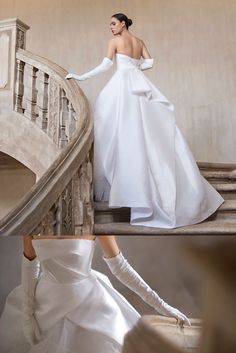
(220,176)
(216,166)
(105,214)
(221,172)
(205,228)
(227,211)
(224,187)
(227,191)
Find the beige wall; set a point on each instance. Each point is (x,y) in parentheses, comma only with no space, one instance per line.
(192,41)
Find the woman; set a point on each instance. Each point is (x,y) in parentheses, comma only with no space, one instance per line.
(141,158)
(69,307)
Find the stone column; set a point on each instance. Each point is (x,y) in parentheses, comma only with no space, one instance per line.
(12,37)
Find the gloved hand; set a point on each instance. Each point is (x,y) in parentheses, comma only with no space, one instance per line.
(125,273)
(105,65)
(29,278)
(146,64)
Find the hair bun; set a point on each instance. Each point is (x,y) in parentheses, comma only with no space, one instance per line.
(130,22)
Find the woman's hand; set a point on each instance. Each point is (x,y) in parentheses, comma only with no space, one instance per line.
(76,77)
(167,310)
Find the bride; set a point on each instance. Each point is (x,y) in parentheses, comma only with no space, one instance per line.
(141,158)
(63,305)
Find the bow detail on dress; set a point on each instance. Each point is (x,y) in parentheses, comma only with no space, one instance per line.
(140,85)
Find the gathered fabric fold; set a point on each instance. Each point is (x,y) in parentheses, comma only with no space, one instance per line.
(140,85)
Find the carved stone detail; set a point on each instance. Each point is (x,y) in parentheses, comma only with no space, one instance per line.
(67,211)
(83,198)
(64,212)
(42,100)
(64,118)
(53,110)
(72,122)
(47,225)
(19,86)
(20,39)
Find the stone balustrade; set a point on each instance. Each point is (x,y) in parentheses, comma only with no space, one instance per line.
(61,202)
(42,96)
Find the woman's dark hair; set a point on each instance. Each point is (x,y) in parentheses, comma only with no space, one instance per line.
(122,17)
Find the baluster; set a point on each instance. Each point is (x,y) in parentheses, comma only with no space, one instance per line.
(67,211)
(48,224)
(64,212)
(71,126)
(42,100)
(64,117)
(31,93)
(53,110)
(83,198)
(19,86)
(78,205)
(88,196)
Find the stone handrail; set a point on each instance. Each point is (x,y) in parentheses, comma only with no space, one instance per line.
(46,96)
(61,201)
(154,333)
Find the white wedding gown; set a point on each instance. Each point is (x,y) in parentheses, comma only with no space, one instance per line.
(77,309)
(141,158)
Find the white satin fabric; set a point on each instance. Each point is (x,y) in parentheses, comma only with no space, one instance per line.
(77,308)
(141,158)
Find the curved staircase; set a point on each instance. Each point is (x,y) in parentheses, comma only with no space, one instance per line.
(34,93)
(35,90)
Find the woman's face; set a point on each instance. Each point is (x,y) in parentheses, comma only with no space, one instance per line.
(116,26)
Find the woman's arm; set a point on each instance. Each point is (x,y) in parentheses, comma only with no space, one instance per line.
(145,52)
(29,251)
(148,61)
(104,66)
(30,269)
(126,274)
(109,245)
(112,48)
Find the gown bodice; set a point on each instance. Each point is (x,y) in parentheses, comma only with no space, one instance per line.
(126,62)
(75,307)
(64,260)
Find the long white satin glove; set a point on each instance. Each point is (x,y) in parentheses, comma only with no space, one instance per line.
(146,64)
(105,65)
(29,277)
(125,273)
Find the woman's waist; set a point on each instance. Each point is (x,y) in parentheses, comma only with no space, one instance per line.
(122,66)
(60,271)
(65,277)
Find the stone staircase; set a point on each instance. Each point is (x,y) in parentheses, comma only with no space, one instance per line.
(36,98)
(222,222)
(37,102)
